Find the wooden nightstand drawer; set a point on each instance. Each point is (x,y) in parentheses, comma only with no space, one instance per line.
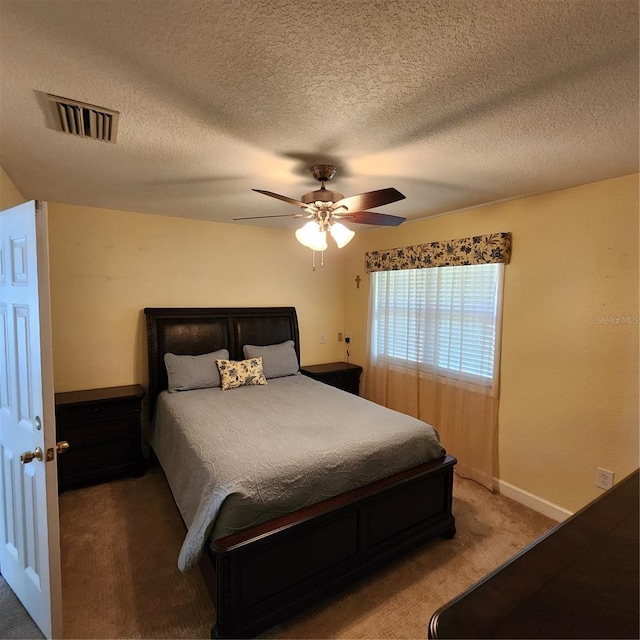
(102,427)
(94,460)
(342,375)
(344,381)
(114,430)
(96,411)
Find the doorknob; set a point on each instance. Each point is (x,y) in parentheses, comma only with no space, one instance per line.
(28,456)
(62,446)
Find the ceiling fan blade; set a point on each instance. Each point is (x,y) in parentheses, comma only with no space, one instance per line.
(370,200)
(282,215)
(370,217)
(297,203)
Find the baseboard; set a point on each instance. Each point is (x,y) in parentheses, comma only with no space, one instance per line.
(544,507)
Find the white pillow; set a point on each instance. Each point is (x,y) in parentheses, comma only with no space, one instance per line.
(277,359)
(193,372)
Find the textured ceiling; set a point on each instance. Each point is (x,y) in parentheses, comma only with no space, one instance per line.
(453,102)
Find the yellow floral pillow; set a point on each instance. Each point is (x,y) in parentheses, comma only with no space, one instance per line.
(238,373)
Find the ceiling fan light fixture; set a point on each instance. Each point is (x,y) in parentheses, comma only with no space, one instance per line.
(312,237)
(325,207)
(341,234)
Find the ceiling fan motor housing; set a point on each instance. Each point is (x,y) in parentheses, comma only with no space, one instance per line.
(322,173)
(321,195)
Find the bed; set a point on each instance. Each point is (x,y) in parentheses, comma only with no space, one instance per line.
(261,567)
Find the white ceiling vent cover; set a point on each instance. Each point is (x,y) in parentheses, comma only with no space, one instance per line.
(84,120)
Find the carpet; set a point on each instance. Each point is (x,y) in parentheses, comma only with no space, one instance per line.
(15,622)
(120,542)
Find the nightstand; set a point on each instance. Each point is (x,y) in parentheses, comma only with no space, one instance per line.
(102,427)
(342,375)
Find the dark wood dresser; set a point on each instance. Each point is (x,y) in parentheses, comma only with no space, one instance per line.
(342,375)
(578,581)
(102,427)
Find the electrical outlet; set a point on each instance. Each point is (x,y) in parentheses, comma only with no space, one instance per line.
(604,478)
(323,338)
(347,338)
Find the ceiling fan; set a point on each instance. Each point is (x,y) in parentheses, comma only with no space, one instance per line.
(326,209)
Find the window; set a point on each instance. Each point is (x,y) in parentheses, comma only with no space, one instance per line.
(443,319)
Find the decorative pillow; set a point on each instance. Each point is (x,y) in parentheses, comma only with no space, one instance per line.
(238,373)
(193,372)
(278,359)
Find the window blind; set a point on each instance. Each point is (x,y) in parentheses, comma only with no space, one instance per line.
(442,319)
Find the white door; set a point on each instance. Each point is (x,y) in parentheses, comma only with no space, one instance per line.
(29,522)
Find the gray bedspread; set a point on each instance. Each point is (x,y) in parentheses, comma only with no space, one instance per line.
(239,457)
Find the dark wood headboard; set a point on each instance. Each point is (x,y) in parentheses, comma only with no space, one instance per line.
(194,331)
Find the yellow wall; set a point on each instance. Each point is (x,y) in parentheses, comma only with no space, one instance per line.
(106,266)
(569,391)
(9,195)
(569,399)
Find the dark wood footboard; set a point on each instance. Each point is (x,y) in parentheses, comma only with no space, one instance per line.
(268,572)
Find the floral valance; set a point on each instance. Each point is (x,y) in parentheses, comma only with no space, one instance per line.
(495,247)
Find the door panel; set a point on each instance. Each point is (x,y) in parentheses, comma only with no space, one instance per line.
(29,525)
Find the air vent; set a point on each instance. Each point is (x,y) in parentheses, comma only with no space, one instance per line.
(84,120)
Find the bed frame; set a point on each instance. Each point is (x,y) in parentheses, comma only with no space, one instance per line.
(259,576)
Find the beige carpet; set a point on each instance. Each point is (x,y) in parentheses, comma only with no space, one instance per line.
(120,542)
(15,622)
